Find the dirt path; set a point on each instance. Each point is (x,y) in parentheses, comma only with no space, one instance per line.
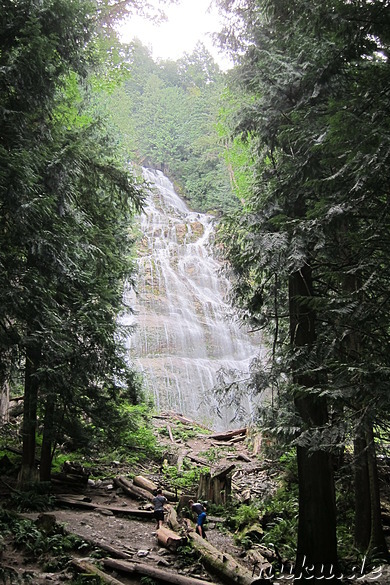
(136,537)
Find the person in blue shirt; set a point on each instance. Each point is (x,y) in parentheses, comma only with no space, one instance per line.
(200,524)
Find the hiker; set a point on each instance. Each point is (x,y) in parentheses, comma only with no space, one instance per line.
(196,508)
(199,510)
(159,502)
(200,524)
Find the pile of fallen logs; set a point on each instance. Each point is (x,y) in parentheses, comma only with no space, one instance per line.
(253,483)
(173,535)
(141,488)
(220,564)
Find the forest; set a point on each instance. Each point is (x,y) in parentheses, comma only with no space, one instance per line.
(290,150)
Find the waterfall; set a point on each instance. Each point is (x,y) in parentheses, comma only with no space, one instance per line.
(184,332)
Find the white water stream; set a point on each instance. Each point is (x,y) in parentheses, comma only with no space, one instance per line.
(184,330)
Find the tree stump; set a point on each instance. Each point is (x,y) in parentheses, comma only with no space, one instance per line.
(216,488)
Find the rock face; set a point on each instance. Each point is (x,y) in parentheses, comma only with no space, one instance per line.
(185,331)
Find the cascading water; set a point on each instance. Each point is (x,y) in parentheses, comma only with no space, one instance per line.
(183,334)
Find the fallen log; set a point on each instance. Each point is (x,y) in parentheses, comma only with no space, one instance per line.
(228,435)
(222,565)
(243,457)
(237,439)
(170,539)
(240,457)
(114,552)
(131,490)
(144,483)
(88,568)
(170,433)
(196,459)
(185,420)
(114,509)
(154,572)
(147,492)
(171,519)
(73,479)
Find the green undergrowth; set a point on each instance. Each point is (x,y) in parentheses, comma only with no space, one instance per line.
(186,480)
(273,521)
(51,549)
(181,431)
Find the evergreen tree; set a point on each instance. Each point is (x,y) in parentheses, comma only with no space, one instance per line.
(311,233)
(66,205)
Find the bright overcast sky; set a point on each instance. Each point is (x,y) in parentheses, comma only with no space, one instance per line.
(189,21)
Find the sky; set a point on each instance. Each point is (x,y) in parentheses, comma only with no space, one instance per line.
(189,21)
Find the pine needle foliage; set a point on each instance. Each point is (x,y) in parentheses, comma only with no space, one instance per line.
(317,217)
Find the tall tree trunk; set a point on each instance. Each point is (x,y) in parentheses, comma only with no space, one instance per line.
(47,440)
(362,492)
(317,545)
(5,365)
(4,399)
(377,544)
(28,472)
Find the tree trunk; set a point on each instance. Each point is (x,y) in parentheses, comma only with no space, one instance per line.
(132,490)
(28,472)
(377,544)
(47,441)
(216,488)
(228,435)
(362,492)
(317,546)
(172,520)
(144,483)
(4,399)
(90,569)
(74,503)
